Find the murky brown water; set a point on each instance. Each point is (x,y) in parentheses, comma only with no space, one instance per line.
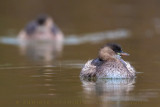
(28,80)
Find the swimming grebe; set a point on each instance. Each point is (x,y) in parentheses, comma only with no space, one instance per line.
(109,64)
(41,39)
(42,28)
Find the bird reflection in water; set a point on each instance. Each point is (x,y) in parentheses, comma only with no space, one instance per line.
(41,39)
(108,90)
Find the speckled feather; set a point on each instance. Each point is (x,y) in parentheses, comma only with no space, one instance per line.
(88,70)
(109,69)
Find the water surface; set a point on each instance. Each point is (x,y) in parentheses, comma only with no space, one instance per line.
(28,78)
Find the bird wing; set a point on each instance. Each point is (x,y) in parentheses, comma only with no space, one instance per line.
(113,69)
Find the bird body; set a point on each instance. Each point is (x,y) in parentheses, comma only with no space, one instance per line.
(109,64)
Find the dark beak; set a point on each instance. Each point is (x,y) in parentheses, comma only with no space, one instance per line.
(124,54)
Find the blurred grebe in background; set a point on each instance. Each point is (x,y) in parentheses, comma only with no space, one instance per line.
(41,39)
(109,64)
(42,28)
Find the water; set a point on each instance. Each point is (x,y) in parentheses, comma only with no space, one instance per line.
(51,78)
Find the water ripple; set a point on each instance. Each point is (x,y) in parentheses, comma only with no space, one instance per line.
(80,39)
